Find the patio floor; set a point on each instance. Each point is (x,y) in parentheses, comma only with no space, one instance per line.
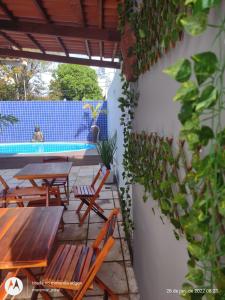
(117,271)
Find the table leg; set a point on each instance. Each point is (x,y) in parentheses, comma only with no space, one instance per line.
(32,278)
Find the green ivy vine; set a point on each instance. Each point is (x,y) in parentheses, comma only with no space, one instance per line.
(190,193)
(156,26)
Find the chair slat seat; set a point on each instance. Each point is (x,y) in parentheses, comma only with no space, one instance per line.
(83,191)
(69,266)
(74,268)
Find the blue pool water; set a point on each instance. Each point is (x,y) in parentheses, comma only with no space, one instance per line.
(38,148)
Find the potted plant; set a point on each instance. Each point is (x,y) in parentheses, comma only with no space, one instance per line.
(106,150)
(95,112)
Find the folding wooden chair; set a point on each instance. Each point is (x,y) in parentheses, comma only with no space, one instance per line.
(74,268)
(61,183)
(88,194)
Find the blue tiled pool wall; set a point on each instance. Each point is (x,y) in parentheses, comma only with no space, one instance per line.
(58,120)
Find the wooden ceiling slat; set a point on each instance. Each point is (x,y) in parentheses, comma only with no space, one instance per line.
(9,39)
(58,58)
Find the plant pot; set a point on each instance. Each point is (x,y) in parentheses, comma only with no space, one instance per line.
(128,42)
(110,178)
(95,133)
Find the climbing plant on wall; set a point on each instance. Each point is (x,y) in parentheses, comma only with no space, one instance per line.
(194,202)
(156,29)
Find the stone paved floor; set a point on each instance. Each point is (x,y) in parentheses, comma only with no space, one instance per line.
(117,271)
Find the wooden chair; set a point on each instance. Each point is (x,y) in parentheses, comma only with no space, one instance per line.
(32,196)
(59,182)
(74,268)
(88,194)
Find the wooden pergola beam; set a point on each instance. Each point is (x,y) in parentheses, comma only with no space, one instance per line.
(83,22)
(59,58)
(8,12)
(10,40)
(114,51)
(61,30)
(100,24)
(39,5)
(63,45)
(36,43)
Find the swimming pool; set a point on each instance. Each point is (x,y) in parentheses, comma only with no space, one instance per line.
(46,147)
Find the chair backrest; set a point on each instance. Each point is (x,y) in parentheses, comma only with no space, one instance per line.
(105,173)
(55,159)
(107,230)
(31,194)
(105,235)
(3,182)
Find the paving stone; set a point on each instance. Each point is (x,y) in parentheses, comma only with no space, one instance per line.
(113,274)
(73,232)
(131,278)
(117,203)
(73,205)
(94,229)
(121,229)
(115,253)
(135,297)
(125,249)
(94,218)
(106,203)
(70,216)
(106,195)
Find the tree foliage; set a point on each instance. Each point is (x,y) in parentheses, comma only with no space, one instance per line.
(75,82)
(22,81)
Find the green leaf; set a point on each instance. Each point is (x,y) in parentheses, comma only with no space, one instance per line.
(196,250)
(185,291)
(201,5)
(196,24)
(141,33)
(187,2)
(207,99)
(205,65)
(221,207)
(188,91)
(222,243)
(176,235)
(181,200)
(180,71)
(196,276)
(185,113)
(205,135)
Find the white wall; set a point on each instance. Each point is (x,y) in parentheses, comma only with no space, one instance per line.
(159,259)
(114,114)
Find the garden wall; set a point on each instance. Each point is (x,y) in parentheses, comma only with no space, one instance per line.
(159,259)
(58,120)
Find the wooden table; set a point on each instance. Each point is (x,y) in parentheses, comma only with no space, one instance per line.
(45,171)
(26,238)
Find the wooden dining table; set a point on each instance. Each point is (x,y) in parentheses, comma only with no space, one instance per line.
(46,172)
(26,239)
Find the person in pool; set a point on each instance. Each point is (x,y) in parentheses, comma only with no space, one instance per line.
(37,135)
